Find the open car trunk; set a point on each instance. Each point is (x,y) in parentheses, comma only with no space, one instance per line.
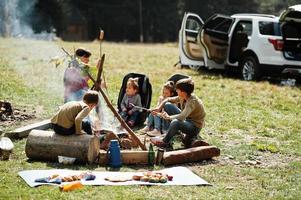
(290,21)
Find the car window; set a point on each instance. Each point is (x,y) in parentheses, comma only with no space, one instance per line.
(220,24)
(269,28)
(247,28)
(193,24)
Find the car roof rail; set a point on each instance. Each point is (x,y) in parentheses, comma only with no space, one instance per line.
(254,15)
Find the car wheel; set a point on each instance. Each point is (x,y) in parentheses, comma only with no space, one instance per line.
(194,67)
(249,68)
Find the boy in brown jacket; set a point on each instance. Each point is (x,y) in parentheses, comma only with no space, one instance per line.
(69,119)
(189,119)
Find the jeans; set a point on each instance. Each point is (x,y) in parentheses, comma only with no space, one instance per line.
(187,127)
(170,109)
(154,122)
(86,126)
(126,117)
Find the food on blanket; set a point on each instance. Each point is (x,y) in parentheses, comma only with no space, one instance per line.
(137,177)
(153,177)
(147,173)
(169,177)
(71,178)
(163,179)
(144,178)
(117,179)
(56,178)
(71,186)
(88,176)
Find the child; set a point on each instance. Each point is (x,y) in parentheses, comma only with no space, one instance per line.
(190,119)
(154,123)
(76,76)
(131,97)
(69,119)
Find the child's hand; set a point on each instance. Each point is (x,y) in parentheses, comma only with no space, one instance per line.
(164,115)
(124,110)
(155,111)
(130,112)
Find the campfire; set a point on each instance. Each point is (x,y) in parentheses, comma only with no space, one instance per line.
(9,114)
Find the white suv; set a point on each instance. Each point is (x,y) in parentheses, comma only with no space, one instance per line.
(253,43)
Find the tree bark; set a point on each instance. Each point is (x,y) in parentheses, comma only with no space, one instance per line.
(190,155)
(47,145)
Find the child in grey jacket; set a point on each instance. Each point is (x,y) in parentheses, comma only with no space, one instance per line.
(131,97)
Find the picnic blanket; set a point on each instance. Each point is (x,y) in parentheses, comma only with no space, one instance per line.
(181,176)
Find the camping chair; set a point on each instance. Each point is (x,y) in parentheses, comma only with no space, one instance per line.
(145,91)
(176,77)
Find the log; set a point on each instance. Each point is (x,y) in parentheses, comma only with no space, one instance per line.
(128,157)
(190,155)
(6,147)
(23,132)
(47,145)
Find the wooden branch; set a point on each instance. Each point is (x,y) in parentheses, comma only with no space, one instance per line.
(122,122)
(99,72)
(116,114)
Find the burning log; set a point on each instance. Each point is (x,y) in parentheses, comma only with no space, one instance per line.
(190,155)
(46,145)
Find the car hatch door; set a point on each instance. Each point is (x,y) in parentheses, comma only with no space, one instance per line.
(290,20)
(215,37)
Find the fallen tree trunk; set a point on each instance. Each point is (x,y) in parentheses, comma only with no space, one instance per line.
(127,157)
(47,145)
(190,155)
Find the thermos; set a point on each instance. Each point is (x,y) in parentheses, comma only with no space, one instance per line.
(114,155)
(159,157)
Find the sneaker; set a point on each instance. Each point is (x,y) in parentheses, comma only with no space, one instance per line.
(145,129)
(157,141)
(153,133)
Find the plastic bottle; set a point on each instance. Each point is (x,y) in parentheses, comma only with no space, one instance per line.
(151,155)
(71,186)
(114,154)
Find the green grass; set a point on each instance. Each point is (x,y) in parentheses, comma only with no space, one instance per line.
(246,120)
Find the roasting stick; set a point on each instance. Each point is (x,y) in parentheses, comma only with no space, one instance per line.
(148,110)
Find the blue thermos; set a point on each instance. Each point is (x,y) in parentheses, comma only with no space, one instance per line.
(114,155)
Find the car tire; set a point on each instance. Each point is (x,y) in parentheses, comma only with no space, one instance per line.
(249,68)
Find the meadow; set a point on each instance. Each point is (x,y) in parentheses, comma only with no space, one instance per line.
(257,125)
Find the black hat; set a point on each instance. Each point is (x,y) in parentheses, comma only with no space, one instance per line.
(81,52)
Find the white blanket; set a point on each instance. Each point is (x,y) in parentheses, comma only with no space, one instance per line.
(181,176)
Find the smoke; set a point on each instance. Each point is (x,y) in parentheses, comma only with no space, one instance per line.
(13,20)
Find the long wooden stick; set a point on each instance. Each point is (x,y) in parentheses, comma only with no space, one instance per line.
(122,122)
(109,104)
